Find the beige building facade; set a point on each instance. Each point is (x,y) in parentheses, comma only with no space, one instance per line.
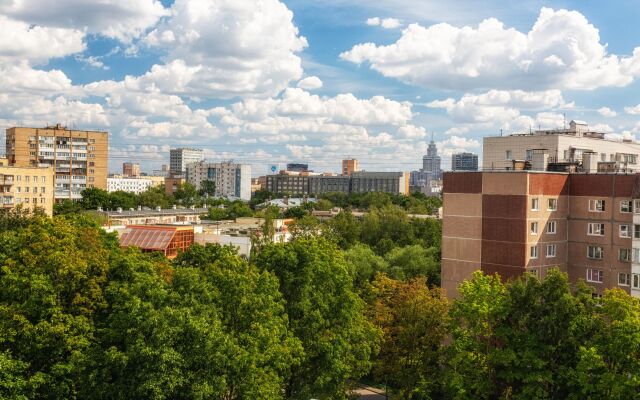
(560,146)
(80,158)
(27,187)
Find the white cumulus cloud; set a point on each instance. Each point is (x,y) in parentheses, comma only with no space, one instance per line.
(310,83)
(607,112)
(633,110)
(386,23)
(562,50)
(230,48)
(119,19)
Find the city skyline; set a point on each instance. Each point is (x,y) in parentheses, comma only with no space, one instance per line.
(296,81)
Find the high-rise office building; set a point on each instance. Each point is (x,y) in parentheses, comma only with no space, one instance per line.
(464,162)
(513,222)
(230,180)
(350,166)
(130,170)
(80,157)
(181,157)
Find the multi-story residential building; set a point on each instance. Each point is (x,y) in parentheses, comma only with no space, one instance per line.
(173,182)
(548,149)
(464,162)
(131,169)
(350,166)
(297,167)
(130,185)
(289,184)
(27,187)
(431,161)
(179,159)
(231,180)
(513,222)
(80,157)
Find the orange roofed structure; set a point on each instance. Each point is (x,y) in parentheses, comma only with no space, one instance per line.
(166,239)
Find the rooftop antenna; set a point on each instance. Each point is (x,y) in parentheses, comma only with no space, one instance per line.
(432,136)
(500,131)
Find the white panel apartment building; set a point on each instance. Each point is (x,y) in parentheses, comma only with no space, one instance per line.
(181,157)
(231,180)
(131,185)
(560,146)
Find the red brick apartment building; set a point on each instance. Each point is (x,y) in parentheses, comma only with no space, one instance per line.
(512,222)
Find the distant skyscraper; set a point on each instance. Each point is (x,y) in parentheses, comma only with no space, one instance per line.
(464,162)
(181,157)
(431,162)
(349,166)
(130,169)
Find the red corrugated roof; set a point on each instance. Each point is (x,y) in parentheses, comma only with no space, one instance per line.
(148,238)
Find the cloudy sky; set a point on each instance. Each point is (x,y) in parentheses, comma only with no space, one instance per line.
(268,81)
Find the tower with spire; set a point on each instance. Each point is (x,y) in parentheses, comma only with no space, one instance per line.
(431,161)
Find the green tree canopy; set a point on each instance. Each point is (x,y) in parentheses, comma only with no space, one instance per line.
(324,313)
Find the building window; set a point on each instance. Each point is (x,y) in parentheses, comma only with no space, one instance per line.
(625,206)
(551,250)
(625,231)
(552,204)
(595,229)
(624,279)
(509,156)
(635,281)
(551,227)
(529,155)
(624,255)
(534,228)
(534,204)
(596,205)
(595,275)
(534,252)
(636,231)
(636,206)
(595,252)
(534,272)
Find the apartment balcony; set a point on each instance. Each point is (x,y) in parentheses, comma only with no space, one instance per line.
(6,181)
(7,202)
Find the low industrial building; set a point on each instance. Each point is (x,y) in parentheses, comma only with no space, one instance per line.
(357,182)
(145,216)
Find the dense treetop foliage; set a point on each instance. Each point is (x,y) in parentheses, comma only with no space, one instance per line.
(347,299)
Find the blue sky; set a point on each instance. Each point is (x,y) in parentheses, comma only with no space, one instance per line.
(272,81)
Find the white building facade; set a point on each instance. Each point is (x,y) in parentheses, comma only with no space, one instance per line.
(181,157)
(130,185)
(560,146)
(231,180)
